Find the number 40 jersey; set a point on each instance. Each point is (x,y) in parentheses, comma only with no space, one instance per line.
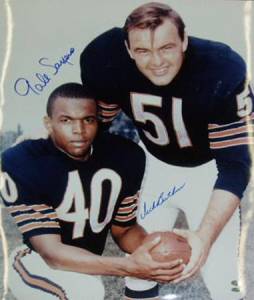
(206,112)
(48,192)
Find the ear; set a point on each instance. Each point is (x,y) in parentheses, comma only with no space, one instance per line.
(128,49)
(47,123)
(185,41)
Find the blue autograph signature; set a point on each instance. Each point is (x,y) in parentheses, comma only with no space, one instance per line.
(23,86)
(161,199)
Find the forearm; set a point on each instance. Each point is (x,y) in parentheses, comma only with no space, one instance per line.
(78,260)
(221,207)
(131,239)
(69,258)
(139,264)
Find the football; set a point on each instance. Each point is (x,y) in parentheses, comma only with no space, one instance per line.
(171,246)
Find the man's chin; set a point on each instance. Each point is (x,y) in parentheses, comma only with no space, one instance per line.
(160,81)
(79,155)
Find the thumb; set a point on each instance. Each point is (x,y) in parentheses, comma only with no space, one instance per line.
(183,233)
(150,244)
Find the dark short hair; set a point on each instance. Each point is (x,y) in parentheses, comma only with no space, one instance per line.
(151,15)
(68,90)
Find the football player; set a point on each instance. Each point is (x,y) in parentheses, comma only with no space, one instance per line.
(192,104)
(65,193)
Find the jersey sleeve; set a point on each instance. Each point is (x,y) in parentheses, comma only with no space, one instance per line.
(20,192)
(107,112)
(231,136)
(99,71)
(127,210)
(126,214)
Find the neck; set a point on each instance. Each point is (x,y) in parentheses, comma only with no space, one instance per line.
(83,158)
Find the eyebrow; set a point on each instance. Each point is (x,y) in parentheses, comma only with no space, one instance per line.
(72,118)
(140,48)
(147,49)
(168,44)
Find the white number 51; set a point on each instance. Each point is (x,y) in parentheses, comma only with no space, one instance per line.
(244,102)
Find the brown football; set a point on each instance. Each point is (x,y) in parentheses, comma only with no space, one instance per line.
(171,246)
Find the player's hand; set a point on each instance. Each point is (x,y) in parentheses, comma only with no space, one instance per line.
(142,265)
(199,254)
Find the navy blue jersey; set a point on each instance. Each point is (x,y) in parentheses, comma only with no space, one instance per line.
(48,192)
(202,114)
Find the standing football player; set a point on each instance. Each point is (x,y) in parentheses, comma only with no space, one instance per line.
(191,102)
(65,193)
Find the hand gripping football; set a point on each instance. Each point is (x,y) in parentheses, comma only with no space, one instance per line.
(171,246)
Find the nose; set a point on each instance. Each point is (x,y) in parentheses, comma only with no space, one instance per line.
(156,59)
(78,127)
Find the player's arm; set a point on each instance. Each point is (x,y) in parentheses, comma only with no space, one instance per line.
(107,113)
(128,238)
(230,144)
(65,257)
(129,235)
(220,209)
(98,73)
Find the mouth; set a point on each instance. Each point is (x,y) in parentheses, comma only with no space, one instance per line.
(160,71)
(79,143)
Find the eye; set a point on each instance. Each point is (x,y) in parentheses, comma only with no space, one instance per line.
(89,120)
(141,51)
(65,120)
(168,47)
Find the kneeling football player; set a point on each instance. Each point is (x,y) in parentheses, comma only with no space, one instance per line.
(65,193)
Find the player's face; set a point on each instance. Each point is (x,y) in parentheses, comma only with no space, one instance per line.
(158,54)
(73,126)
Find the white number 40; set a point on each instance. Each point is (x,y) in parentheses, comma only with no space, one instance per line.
(75,198)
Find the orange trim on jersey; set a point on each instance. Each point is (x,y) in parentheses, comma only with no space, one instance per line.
(23,207)
(106,113)
(232,143)
(130,199)
(229,132)
(243,120)
(125,218)
(34,216)
(35,281)
(107,120)
(127,209)
(107,105)
(36,225)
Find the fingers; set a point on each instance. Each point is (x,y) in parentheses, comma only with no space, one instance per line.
(194,265)
(166,276)
(195,259)
(166,272)
(170,272)
(183,233)
(170,265)
(174,271)
(184,276)
(197,254)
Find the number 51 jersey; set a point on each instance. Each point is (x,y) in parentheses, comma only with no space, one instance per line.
(48,192)
(205,112)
